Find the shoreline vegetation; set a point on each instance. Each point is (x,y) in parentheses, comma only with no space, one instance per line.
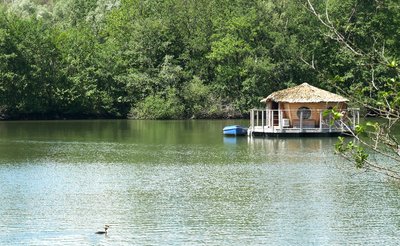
(220,116)
(180,59)
(21,117)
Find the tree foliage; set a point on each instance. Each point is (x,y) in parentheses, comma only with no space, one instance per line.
(190,58)
(365,40)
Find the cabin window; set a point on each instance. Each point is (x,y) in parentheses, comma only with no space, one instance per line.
(306,112)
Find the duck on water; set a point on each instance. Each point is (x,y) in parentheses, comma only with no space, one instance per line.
(105,230)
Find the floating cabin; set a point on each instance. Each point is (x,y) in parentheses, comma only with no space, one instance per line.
(302,111)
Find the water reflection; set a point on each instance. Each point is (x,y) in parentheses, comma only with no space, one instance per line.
(184,183)
(279,145)
(230,139)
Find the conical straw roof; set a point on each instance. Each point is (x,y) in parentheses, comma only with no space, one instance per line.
(304,93)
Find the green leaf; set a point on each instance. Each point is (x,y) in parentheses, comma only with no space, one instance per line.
(393,64)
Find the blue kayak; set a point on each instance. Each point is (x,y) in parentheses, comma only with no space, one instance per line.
(235,130)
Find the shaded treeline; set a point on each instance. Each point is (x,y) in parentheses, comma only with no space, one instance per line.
(165,59)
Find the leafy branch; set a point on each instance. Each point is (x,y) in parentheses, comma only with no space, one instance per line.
(370,140)
(374,145)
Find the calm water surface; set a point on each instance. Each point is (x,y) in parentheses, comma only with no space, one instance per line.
(184,183)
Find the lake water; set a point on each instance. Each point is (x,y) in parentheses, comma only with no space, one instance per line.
(184,183)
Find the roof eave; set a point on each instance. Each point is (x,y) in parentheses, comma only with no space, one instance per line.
(265,100)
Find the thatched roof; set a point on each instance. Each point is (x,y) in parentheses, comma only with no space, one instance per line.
(304,93)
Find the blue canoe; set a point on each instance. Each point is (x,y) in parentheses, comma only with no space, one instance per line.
(235,130)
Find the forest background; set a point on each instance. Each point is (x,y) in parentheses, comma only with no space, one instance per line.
(175,59)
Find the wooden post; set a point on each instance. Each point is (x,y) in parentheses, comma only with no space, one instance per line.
(301,120)
(272,119)
(257,119)
(252,119)
(262,119)
(320,121)
(341,125)
(251,116)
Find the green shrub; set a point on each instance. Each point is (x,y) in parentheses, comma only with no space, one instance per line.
(159,106)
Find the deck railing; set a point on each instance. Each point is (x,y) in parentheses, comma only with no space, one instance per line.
(271,120)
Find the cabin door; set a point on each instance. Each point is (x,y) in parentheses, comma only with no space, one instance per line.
(275,108)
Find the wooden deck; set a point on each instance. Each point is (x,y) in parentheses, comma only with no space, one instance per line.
(271,123)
